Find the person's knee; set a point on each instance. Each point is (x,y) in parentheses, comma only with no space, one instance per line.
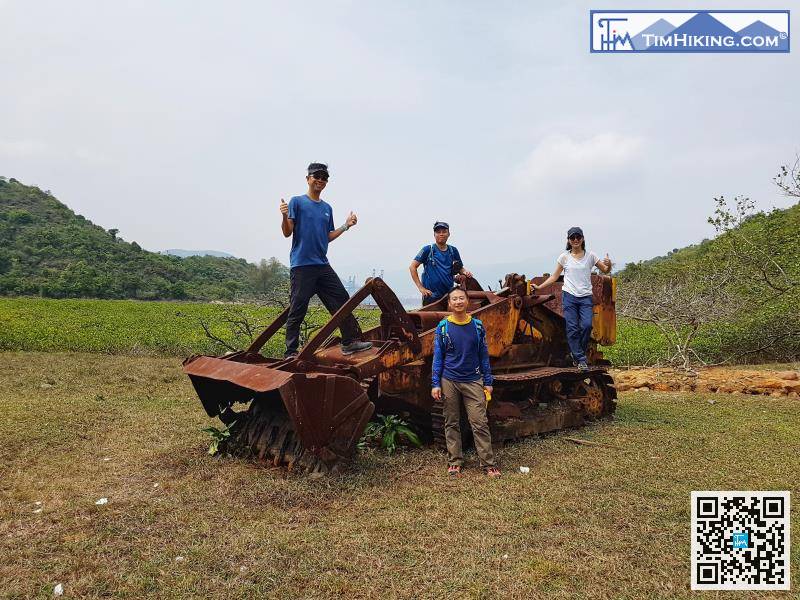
(480,429)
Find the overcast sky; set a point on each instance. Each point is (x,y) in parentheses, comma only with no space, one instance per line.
(183,124)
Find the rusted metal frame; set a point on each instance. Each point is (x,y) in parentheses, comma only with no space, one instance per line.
(316,419)
(305,366)
(388,304)
(490,296)
(489,308)
(548,372)
(375,365)
(529,301)
(336,319)
(508,369)
(303,421)
(470,284)
(271,330)
(253,377)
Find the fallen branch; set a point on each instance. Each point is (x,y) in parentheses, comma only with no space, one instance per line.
(581,442)
(408,472)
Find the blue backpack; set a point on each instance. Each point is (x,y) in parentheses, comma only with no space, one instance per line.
(455,265)
(444,335)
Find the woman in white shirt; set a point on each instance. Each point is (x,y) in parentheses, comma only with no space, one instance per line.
(577,292)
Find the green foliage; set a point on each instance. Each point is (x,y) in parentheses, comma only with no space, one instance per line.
(755,256)
(49,251)
(219,438)
(269,275)
(134,327)
(389,432)
(637,344)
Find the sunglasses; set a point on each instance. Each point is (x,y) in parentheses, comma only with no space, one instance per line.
(320,176)
(576,236)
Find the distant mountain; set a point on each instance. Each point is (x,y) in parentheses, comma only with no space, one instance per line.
(704,24)
(660,28)
(701,24)
(759,28)
(180,253)
(48,250)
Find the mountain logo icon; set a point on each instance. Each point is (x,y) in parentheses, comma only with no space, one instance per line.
(684,31)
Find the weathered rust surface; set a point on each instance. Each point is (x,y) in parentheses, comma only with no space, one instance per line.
(253,377)
(328,412)
(545,373)
(309,411)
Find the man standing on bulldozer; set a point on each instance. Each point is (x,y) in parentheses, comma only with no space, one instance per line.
(309,221)
(442,264)
(461,373)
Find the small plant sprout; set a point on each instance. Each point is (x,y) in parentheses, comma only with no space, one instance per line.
(218,437)
(389,432)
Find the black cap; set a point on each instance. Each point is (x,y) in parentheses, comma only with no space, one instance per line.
(441,225)
(573,230)
(316,168)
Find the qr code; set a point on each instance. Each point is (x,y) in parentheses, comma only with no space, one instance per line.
(740,540)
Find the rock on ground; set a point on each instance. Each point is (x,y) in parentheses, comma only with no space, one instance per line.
(713,379)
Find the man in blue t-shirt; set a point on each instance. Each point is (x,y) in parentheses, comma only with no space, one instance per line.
(309,220)
(442,264)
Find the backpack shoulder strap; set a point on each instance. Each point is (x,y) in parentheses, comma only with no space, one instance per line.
(442,326)
(479,328)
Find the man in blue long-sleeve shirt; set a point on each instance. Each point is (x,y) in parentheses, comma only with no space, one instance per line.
(461,372)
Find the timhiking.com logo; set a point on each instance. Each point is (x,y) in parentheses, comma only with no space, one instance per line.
(689,31)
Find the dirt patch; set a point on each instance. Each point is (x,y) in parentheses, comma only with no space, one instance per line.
(729,380)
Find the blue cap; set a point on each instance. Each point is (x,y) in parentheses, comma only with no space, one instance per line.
(441,225)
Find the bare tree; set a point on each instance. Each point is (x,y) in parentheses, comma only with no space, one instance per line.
(753,258)
(788,179)
(680,305)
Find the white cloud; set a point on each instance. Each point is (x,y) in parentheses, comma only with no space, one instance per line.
(37,149)
(559,160)
(22,148)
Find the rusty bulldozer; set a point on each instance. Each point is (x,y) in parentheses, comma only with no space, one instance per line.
(308,412)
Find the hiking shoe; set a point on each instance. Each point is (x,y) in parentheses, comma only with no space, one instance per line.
(354,347)
(582,366)
(493,472)
(290,355)
(454,470)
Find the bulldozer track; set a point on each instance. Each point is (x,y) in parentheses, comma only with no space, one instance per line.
(597,399)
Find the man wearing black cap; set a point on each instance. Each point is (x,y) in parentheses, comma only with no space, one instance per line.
(442,264)
(309,220)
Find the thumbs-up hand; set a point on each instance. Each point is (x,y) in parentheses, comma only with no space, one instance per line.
(352,219)
(607,262)
(284,207)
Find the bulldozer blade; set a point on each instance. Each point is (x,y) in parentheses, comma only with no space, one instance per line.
(328,413)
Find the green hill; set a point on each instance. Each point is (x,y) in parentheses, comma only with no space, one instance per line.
(738,294)
(48,250)
(777,230)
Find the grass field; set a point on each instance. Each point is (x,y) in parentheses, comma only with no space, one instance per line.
(173,328)
(604,521)
(131,326)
